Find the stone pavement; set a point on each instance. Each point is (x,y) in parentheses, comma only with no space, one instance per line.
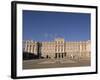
(53,63)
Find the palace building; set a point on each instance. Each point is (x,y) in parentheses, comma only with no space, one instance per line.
(58,49)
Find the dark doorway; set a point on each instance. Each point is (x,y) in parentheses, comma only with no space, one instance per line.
(55,55)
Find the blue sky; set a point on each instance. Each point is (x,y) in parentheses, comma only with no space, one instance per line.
(45,26)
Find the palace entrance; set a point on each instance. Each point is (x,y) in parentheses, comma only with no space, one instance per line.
(60,55)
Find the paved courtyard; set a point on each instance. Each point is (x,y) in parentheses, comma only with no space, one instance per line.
(54,63)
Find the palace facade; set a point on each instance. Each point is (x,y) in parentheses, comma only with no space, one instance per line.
(58,49)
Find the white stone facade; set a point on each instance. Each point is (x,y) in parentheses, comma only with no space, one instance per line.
(59,48)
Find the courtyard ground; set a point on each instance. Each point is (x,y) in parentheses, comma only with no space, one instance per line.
(54,63)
